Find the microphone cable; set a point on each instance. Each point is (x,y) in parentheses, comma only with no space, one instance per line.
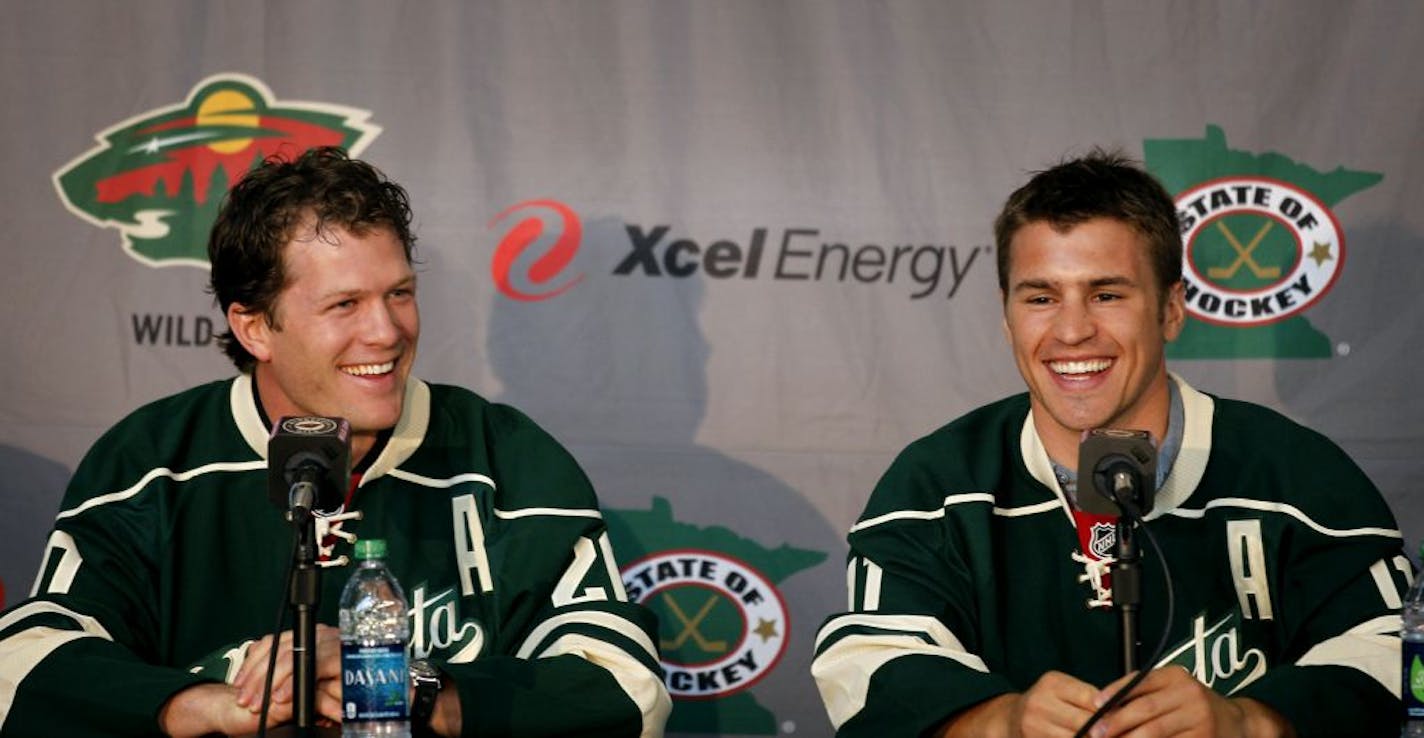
(1126,689)
(276,638)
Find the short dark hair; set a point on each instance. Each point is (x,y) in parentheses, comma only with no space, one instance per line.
(1102,184)
(261,213)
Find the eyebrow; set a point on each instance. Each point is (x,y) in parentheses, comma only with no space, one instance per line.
(346,294)
(1098,282)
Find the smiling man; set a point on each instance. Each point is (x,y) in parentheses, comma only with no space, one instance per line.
(980,597)
(166,562)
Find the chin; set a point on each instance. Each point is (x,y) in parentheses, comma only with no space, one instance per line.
(373,422)
(1079,422)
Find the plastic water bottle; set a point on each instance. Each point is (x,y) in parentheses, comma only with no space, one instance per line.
(375,682)
(1412,688)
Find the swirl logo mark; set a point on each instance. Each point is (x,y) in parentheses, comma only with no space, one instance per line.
(531,260)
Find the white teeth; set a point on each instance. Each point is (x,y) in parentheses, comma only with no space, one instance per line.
(1079,367)
(366,369)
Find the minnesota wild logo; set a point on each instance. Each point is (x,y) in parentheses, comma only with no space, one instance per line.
(159,177)
(1263,246)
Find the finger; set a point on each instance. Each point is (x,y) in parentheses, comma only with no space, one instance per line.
(1167,701)
(330,687)
(281,674)
(278,713)
(328,653)
(248,681)
(256,654)
(1107,692)
(254,666)
(1058,704)
(328,698)
(239,721)
(284,676)
(328,705)
(1070,690)
(1063,721)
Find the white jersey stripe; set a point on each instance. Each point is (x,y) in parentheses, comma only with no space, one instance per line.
(843,671)
(585,617)
(441,483)
(121,495)
(899,515)
(557,512)
(951,501)
(1014,512)
(1194,513)
(1371,647)
(1291,510)
(930,627)
(21,651)
(635,680)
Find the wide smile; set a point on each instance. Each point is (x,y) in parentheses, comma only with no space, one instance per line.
(369,370)
(1079,370)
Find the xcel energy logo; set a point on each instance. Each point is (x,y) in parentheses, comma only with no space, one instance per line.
(535,257)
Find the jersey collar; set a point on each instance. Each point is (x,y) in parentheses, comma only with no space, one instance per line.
(406,437)
(1187,469)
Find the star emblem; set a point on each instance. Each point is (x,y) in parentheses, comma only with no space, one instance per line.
(766,629)
(1321,253)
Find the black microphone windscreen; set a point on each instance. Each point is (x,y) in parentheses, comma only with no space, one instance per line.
(310,448)
(1105,451)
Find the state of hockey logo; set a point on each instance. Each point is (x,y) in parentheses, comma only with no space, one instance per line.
(723,624)
(1258,250)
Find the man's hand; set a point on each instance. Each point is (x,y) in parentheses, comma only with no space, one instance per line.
(251,677)
(1171,702)
(203,709)
(1054,707)
(1168,702)
(446,719)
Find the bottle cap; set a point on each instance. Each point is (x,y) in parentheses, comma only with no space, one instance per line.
(370,548)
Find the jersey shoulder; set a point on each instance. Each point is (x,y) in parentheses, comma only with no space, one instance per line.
(976,452)
(1260,454)
(527,465)
(180,432)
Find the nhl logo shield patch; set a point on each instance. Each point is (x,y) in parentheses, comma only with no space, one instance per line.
(1101,540)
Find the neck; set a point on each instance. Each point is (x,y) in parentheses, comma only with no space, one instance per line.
(273,405)
(1062,443)
(361,444)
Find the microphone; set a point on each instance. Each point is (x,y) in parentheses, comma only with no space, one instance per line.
(309,464)
(1117,469)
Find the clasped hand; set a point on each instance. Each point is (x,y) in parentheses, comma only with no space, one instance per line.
(235,708)
(1168,702)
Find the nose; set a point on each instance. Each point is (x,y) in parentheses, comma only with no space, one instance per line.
(382,326)
(1073,323)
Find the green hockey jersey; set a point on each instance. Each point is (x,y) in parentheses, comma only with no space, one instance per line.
(968,580)
(167,558)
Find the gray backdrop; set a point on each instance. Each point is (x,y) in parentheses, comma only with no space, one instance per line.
(746,408)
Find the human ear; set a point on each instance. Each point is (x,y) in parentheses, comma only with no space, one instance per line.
(251,329)
(1174,311)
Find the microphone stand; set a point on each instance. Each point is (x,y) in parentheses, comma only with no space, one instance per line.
(304,598)
(1126,571)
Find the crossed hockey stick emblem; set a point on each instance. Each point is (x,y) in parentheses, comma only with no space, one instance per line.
(690,627)
(1243,255)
